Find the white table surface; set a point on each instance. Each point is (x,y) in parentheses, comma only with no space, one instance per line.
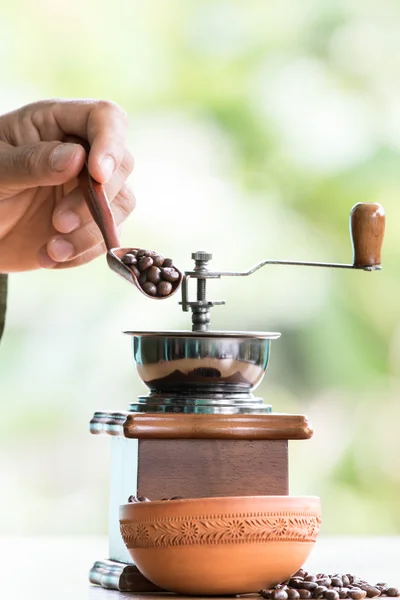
(57,568)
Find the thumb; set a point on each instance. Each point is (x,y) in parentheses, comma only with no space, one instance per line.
(42,164)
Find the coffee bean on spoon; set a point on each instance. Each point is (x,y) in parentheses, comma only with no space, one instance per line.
(154,274)
(142,252)
(129,259)
(142,278)
(168,262)
(149,288)
(158,260)
(169,274)
(145,263)
(164,288)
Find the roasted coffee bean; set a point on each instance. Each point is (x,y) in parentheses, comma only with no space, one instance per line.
(149,288)
(129,259)
(142,278)
(279,595)
(392,592)
(337,582)
(305,594)
(267,594)
(158,260)
(320,591)
(310,578)
(164,288)
(343,592)
(169,274)
(135,270)
(345,580)
(295,581)
(292,594)
(373,592)
(326,581)
(357,594)
(168,262)
(308,585)
(331,595)
(154,275)
(142,252)
(145,263)
(135,499)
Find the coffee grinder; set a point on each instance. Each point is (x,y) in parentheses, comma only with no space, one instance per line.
(200,431)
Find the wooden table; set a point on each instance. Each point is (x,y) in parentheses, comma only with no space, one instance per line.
(57,568)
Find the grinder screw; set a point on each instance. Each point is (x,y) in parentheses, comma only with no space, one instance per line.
(201,256)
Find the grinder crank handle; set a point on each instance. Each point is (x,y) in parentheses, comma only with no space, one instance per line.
(367,228)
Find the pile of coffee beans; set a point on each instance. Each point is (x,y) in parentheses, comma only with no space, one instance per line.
(155,274)
(331,587)
(135,499)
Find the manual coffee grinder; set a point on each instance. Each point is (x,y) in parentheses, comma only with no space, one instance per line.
(200,432)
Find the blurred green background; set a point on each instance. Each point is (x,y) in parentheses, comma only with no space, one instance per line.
(255,126)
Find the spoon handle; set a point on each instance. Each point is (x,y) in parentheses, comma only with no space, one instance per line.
(99,206)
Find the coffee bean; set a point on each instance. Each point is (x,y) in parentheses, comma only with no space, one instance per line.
(343,592)
(392,592)
(320,591)
(326,581)
(357,594)
(279,595)
(310,578)
(158,260)
(305,594)
(331,595)
(142,252)
(292,594)
(308,585)
(142,278)
(129,259)
(337,582)
(136,499)
(168,274)
(135,270)
(266,594)
(168,262)
(154,275)
(373,592)
(149,288)
(145,263)
(345,580)
(164,288)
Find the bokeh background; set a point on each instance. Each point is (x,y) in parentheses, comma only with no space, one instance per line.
(256,126)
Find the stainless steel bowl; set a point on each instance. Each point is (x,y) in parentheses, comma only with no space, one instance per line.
(211,364)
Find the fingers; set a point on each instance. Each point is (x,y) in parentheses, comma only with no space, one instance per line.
(104,125)
(64,249)
(42,164)
(71,212)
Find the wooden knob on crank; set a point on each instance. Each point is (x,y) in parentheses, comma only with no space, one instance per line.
(367,226)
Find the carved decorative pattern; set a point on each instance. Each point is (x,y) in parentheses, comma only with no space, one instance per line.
(221,529)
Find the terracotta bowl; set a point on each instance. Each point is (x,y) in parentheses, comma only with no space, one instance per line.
(219,546)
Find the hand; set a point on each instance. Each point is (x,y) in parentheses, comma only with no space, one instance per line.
(44,220)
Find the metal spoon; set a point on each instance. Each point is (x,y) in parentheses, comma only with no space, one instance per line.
(98,204)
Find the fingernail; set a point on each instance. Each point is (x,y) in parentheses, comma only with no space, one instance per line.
(61,156)
(107,166)
(44,259)
(61,249)
(67,221)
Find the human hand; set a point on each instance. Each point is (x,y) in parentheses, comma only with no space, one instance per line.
(44,220)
